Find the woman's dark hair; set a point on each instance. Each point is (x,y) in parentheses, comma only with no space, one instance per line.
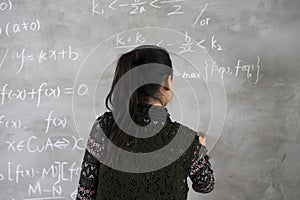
(141,55)
(144,54)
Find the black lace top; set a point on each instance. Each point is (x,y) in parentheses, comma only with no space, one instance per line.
(98,181)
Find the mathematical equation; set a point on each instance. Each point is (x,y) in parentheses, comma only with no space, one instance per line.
(11,29)
(43,90)
(10,123)
(42,56)
(211,69)
(187,46)
(51,120)
(57,171)
(31,144)
(138,6)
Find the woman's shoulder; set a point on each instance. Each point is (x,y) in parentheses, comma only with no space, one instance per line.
(100,126)
(185,129)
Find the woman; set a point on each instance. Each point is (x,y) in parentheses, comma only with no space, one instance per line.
(100,181)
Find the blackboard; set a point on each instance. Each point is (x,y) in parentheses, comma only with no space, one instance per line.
(236,80)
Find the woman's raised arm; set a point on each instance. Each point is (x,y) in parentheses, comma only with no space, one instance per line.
(201,173)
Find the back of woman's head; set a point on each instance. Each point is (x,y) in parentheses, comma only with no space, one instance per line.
(149,55)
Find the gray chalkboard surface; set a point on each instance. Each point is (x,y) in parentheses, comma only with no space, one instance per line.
(236,80)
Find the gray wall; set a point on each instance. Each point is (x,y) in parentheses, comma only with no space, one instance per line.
(57,60)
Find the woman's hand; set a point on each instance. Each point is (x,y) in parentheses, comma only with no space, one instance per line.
(202,140)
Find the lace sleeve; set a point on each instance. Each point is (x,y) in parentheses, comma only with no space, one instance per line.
(201,172)
(88,181)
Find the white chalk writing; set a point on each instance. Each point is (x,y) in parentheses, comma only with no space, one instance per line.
(202,21)
(212,68)
(59,171)
(55,121)
(10,29)
(44,55)
(10,123)
(138,6)
(53,92)
(5,5)
(3,58)
(33,144)
(187,46)
(37,189)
